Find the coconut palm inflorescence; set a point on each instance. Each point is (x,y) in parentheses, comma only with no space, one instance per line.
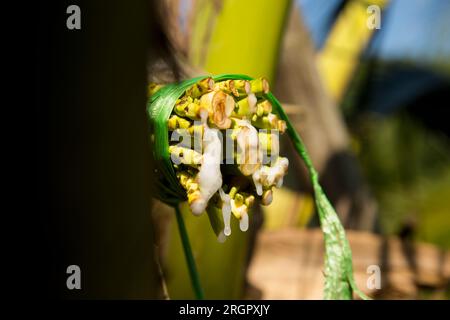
(223,144)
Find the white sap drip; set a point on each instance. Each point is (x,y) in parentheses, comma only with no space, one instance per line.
(256,180)
(209,175)
(243,223)
(226,212)
(272,175)
(221,237)
(279,183)
(251,140)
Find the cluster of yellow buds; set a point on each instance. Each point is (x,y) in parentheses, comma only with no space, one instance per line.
(224,145)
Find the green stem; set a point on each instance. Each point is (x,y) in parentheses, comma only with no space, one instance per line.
(193,273)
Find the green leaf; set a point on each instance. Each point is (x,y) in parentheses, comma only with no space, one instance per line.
(338,269)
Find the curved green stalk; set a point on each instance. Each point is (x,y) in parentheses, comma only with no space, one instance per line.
(339,280)
(190,261)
